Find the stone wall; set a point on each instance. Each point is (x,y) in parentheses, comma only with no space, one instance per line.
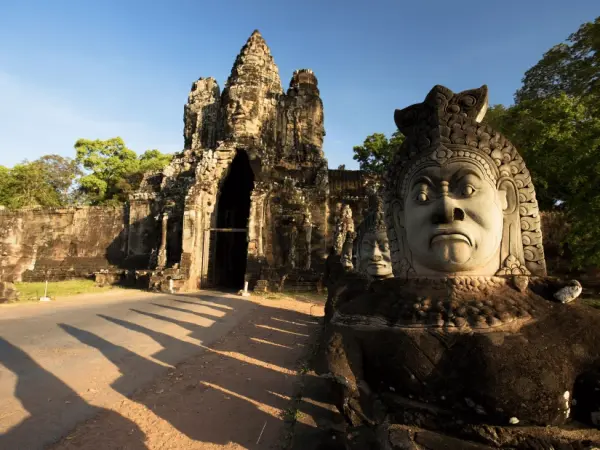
(62,243)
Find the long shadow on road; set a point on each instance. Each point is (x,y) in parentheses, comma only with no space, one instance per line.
(45,423)
(51,408)
(234,391)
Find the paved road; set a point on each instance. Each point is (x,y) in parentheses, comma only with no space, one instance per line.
(62,362)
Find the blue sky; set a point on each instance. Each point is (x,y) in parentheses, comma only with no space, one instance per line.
(74,69)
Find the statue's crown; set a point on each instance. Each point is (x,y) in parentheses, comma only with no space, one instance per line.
(441,101)
(374,219)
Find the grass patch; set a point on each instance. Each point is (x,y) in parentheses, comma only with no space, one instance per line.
(273,295)
(291,414)
(32,291)
(309,296)
(594,302)
(304,296)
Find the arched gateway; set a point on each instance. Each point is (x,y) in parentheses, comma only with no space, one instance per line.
(228,241)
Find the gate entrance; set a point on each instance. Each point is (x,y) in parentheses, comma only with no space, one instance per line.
(230,235)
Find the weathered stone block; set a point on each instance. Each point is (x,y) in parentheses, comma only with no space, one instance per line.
(7,292)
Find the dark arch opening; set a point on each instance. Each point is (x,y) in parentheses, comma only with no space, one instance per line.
(233,211)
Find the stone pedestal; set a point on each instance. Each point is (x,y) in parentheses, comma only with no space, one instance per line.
(162,251)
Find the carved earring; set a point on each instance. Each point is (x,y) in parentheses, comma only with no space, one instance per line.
(398,214)
(508,195)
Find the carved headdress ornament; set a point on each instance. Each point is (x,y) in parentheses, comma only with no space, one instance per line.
(374,221)
(447,127)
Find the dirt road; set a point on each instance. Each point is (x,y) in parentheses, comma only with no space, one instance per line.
(77,362)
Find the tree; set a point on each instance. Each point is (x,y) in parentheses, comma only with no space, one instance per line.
(153,160)
(555,123)
(572,68)
(377,152)
(107,162)
(495,116)
(559,138)
(26,185)
(113,171)
(60,173)
(4,186)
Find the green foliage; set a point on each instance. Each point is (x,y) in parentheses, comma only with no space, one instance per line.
(153,160)
(572,68)
(103,172)
(4,186)
(27,184)
(377,152)
(60,173)
(107,163)
(113,171)
(494,116)
(559,138)
(291,414)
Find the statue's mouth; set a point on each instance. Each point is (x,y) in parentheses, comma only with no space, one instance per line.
(377,264)
(238,115)
(450,235)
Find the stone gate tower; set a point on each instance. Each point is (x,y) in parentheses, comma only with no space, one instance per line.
(248,198)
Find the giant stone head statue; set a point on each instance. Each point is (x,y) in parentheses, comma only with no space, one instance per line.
(458,197)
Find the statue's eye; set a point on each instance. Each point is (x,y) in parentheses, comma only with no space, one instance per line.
(468,190)
(422,197)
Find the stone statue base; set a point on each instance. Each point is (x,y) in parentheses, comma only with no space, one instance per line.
(488,359)
(474,438)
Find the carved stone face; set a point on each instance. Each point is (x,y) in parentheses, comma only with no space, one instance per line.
(453,218)
(242,111)
(374,256)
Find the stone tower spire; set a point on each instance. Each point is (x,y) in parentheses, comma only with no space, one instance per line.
(304,134)
(255,56)
(200,115)
(252,90)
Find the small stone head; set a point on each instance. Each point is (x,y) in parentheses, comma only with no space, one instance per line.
(371,245)
(458,197)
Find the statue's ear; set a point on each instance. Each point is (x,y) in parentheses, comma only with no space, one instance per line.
(398,214)
(508,195)
(512,244)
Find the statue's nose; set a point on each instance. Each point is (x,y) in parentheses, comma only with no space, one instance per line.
(376,253)
(447,211)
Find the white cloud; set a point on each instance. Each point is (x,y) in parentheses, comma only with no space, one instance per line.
(35,122)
